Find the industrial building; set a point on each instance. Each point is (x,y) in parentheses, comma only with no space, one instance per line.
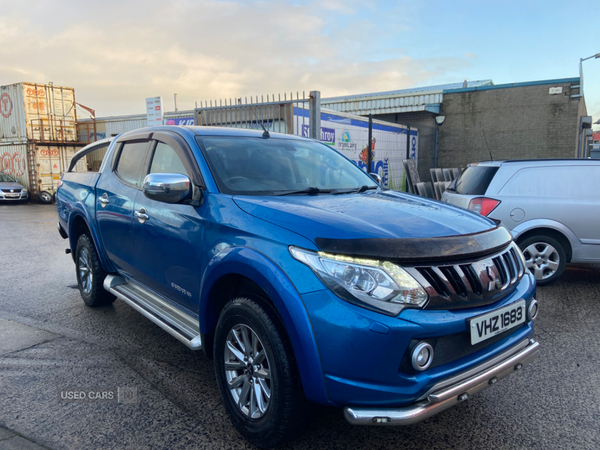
(478,120)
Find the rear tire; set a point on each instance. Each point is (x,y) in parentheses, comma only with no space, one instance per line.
(545,257)
(90,274)
(257,374)
(45,197)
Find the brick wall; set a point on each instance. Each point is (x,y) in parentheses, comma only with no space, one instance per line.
(519,122)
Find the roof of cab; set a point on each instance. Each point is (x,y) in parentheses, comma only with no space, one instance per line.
(214,131)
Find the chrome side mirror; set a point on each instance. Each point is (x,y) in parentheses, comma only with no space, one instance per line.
(167,187)
(376,177)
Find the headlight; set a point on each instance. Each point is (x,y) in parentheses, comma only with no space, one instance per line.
(378,284)
(24,192)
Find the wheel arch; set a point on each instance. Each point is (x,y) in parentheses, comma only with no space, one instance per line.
(557,230)
(79,223)
(560,237)
(238,270)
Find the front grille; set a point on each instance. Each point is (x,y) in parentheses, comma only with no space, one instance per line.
(16,190)
(471,284)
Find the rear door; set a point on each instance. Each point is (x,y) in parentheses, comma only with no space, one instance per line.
(116,191)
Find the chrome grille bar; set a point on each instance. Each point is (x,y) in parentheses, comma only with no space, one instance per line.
(474,282)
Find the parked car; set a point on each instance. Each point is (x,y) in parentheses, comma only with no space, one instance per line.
(551,207)
(300,275)
(11,190)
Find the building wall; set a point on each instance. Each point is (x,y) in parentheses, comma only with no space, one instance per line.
(425,123)
(522,121)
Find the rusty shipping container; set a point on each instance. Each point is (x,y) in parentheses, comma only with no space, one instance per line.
(13,161)
(38,133)
(37,112)
(38,167)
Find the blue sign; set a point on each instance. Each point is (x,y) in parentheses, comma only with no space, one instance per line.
(180,121)
(327,134)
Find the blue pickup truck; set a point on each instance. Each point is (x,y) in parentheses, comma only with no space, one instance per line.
(302,277)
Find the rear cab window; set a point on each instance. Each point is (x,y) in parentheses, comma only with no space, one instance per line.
(90,161)
(475,180)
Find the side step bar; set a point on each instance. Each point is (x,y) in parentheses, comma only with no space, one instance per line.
(180,325)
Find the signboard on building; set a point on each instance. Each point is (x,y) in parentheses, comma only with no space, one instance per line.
(180,121)
(154,112)
(349,134)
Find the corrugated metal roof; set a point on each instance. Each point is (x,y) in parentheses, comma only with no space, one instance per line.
(404,92)
(405,100)
(511,85)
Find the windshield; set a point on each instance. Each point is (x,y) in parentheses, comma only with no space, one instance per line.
(258,166)
(6,179)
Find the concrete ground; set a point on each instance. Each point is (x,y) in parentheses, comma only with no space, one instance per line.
(165,396)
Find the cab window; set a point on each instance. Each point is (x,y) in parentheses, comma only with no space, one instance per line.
(166,160)
(130,162)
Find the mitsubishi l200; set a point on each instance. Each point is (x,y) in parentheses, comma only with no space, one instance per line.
(300,275)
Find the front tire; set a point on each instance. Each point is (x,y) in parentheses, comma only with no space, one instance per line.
(257,374)
(545,257)
(90,274)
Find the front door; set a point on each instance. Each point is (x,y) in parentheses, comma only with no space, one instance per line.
(170,239)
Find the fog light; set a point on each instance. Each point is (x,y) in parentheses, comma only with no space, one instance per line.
(532,311)
(422,356)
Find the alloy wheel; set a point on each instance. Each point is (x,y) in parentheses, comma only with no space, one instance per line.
(248,371)
(84,269)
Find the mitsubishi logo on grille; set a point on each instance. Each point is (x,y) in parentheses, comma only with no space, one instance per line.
(494,281)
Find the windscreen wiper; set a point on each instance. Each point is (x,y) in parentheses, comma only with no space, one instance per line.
(353,190)
(312,190)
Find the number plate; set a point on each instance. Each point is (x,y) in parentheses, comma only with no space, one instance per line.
(493,323)
(12,195)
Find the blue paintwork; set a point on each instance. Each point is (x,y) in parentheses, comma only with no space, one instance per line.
(78,203)
(361,362)
(347,355)
(387,214)
(276,283)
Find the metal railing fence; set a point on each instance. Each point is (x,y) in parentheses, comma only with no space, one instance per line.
(275,114)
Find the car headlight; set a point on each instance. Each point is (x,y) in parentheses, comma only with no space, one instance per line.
(376,284)
(23,192)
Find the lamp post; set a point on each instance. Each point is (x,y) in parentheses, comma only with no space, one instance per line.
(581,60)
(439,120)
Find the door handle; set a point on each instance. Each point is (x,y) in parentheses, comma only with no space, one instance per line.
(104,200)
(141,215)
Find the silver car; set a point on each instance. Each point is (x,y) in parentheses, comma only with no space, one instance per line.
(551,207)
(11,190)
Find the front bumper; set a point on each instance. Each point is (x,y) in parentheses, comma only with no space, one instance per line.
(451,391)
(14,198)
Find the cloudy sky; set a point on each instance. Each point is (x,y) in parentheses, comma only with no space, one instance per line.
(115,53)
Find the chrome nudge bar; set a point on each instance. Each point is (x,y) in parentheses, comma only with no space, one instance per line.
(445,397)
